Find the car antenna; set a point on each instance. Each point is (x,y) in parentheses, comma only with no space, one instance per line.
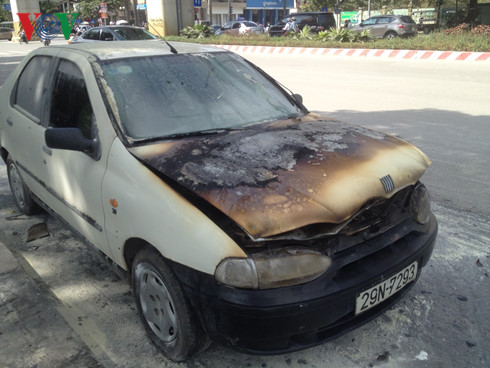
(172,49)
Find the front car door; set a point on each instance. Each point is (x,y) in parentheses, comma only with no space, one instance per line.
(75,178)
(369,24)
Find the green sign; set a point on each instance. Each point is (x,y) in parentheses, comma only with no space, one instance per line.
(350,15)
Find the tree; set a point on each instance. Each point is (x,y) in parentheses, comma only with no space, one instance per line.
(90,8)
(5,16)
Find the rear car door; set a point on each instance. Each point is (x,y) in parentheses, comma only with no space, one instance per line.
(24,122)
(381,27)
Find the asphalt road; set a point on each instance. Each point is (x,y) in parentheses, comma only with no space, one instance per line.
(61,306)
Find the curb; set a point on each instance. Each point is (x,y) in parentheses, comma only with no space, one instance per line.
(369,53)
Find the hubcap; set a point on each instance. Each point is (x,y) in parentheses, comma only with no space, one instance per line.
(157,306)
(16,185)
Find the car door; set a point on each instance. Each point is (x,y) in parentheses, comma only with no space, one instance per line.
(369,24)
(381,27)
(24,122)
(75,178)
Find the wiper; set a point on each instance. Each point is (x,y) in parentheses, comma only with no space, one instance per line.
(183,135)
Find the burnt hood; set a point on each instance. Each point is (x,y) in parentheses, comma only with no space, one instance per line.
(276,177)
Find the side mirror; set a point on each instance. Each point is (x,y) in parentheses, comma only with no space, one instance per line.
(298,98)
(69,139)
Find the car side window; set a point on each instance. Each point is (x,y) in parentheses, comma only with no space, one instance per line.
(70,104)
(106,36)
(383,20)
(92,34)
(33,85)
(308,20)
(369,22)
(236,25)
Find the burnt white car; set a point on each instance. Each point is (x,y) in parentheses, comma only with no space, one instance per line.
(266,228)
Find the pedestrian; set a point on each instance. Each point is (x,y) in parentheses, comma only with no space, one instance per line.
(286,28)
(293,26)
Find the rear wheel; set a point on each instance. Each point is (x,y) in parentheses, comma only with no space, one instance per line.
(167,315)
(390,35)
(22,195)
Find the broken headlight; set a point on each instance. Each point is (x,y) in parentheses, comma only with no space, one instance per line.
(284,267)
(420,204)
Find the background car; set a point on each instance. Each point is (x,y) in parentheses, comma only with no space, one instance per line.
(114,33)
(6,33)
(388,26)
(241,27)
(317,21)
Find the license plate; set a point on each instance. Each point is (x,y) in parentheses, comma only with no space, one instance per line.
(373,296)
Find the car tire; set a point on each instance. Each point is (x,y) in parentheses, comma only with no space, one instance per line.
(167,315)
(390,35)
(22,195)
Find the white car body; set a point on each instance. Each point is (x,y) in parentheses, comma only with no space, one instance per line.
(267,228)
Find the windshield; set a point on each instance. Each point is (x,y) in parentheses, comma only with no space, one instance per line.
(185,93)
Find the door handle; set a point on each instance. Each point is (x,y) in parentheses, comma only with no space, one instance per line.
(10,122)
(47,150)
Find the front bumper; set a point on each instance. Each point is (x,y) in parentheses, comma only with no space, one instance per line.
(292,318)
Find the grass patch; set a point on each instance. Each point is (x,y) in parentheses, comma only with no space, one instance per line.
(437,41)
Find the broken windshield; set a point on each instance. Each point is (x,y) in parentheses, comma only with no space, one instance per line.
(173,95)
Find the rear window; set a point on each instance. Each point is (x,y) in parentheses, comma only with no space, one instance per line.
(406,19)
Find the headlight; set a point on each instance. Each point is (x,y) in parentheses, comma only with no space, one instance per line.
(420,204)
(285,267)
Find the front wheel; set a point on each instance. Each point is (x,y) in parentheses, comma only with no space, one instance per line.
(167,315)
(22,195)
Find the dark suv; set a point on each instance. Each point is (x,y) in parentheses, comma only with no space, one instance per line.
(318,21)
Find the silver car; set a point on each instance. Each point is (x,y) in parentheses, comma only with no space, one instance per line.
(114,33)
(388,26)
(241,27)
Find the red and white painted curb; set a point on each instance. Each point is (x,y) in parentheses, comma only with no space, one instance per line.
(370,53)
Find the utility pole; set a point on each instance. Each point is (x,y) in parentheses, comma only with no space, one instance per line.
(210,5)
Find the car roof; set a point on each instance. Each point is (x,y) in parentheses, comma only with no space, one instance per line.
(123,49)
(306,13)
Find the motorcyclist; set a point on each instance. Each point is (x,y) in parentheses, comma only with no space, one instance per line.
(23,37)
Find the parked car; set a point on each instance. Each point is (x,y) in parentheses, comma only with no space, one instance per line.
(426,20)
(266,228)
(6,33)
(114,33)
(241,27)
(318,21)
(388,26)
(216,28)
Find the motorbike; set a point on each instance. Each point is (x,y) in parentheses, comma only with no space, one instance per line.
(23,38)
(46,42)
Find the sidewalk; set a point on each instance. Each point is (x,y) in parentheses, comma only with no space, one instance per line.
(369,53)
(32,333)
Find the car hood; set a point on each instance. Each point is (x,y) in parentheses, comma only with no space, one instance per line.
(275,177)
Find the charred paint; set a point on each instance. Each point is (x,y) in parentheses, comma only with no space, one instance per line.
(276,177)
